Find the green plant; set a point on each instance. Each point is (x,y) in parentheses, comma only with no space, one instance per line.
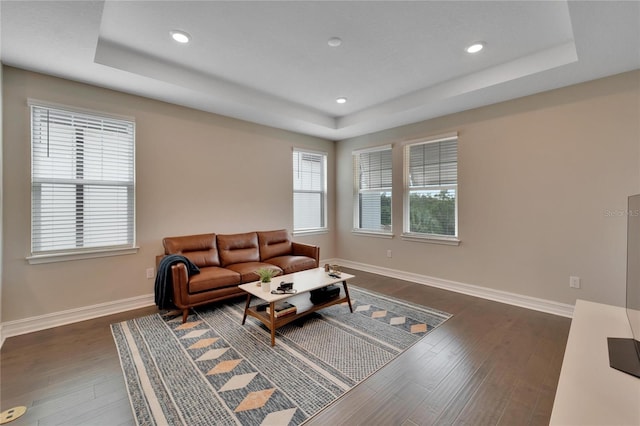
(266,274)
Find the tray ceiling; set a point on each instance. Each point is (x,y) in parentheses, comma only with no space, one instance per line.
(270,62)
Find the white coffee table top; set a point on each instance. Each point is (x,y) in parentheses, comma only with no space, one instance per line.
(303,281)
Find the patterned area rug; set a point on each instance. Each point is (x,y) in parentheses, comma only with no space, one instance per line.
(212,370)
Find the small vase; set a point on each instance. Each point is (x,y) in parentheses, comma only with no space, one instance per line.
(266,286)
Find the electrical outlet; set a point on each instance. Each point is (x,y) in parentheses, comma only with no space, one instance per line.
(388,253)
(574,282)
(150,273)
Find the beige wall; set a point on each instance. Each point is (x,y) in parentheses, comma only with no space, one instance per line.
(1,198)
(539,178)
(537,175)
(196,172)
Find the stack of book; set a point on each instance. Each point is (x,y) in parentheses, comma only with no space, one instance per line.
(282,309)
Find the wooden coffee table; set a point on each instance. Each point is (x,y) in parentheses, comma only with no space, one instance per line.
(303,283)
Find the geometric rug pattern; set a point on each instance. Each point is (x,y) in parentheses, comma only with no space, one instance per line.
(213,370)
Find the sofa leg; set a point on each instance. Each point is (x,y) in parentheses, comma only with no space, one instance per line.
(185,314)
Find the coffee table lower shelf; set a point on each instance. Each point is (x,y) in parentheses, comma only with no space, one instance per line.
(303,309)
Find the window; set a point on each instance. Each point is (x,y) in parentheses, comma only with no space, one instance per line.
(309,191)
(431,188)
(372,190)
(82,182)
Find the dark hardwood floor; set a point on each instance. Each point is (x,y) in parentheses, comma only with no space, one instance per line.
(491,364)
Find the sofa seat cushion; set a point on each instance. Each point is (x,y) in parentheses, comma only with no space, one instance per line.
(247,270)
(291,264)
(211,278)
(204,297)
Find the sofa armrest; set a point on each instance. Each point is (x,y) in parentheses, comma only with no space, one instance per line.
(180,281)
(301,249)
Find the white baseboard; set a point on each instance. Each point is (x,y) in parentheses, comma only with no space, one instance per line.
(29,325)
(528,302)
(55,319)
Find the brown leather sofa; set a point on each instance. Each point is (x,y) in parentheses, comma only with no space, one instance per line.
(225,261)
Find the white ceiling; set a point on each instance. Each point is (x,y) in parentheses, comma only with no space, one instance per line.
(269,62)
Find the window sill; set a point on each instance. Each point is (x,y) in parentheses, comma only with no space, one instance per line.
(311,232)
(371,233)
(79,255)
(431,239)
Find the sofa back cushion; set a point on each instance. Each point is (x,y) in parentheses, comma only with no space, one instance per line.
(238,248)
(200,249)
(274,243)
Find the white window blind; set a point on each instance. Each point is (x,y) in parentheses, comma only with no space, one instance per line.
(82,181)
(372,196)
(431,169)
(309,191)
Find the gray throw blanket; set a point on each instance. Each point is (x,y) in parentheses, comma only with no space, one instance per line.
(164,282)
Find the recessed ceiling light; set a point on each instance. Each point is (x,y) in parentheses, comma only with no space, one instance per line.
(341,100)
(475,47)
(334,41)
(180,36)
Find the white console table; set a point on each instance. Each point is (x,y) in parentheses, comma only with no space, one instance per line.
(589,391)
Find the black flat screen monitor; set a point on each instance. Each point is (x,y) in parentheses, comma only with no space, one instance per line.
(624,354)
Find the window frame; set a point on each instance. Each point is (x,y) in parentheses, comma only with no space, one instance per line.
(65,254)
(323,193)
(407,234)
(357,191)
